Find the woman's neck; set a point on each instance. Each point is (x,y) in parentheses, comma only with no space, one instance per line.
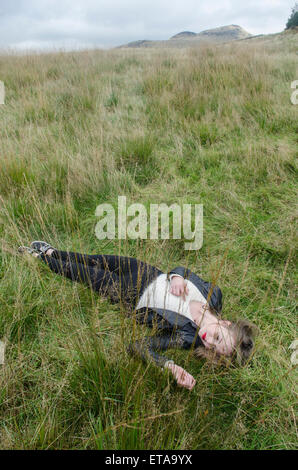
(201,313)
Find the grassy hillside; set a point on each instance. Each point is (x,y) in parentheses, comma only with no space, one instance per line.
(213,125)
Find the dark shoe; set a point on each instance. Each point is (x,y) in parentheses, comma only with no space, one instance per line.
(40,246)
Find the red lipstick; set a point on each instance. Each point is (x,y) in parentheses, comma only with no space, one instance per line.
(204,336)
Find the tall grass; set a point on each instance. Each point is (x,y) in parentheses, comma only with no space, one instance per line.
(212,125)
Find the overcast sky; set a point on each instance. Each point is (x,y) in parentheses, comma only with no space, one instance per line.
(105,23)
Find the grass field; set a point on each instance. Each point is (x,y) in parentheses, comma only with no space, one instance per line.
(213,125)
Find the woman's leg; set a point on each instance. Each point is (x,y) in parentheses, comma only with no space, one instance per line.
(99,280)
(72,257)
(116,276)
(113,263)
(110,262)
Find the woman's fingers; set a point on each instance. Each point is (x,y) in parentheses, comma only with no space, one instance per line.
(185,291)
(176,290)
(180,290)
(192,383)
(189,384)
(184,379)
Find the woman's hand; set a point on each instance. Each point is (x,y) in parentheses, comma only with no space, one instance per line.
(184,379)
(178,286)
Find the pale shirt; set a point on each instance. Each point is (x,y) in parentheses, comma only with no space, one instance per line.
(158,295)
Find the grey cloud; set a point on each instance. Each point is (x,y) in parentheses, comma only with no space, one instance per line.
(45,23)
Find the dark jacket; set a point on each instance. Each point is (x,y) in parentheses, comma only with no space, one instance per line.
(173,330)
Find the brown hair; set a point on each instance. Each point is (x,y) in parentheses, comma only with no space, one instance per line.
(245,333)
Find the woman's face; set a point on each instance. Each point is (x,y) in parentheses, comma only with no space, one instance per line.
(218,336)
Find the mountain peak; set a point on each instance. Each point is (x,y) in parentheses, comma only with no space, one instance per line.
(183,34)
(232,31)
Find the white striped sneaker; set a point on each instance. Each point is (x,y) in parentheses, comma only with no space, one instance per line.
(40,246)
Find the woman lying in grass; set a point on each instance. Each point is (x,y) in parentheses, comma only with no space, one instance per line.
(179,304)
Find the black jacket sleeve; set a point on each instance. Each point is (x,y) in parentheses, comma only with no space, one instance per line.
(147,348)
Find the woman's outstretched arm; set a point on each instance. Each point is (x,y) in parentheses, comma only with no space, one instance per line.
(147,349)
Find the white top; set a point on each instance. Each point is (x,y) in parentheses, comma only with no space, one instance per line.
(158,295)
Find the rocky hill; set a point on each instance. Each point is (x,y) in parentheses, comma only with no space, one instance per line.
(225,33)
(184,34)
(189,38)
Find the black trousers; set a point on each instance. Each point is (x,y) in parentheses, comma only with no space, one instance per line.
(120,278)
